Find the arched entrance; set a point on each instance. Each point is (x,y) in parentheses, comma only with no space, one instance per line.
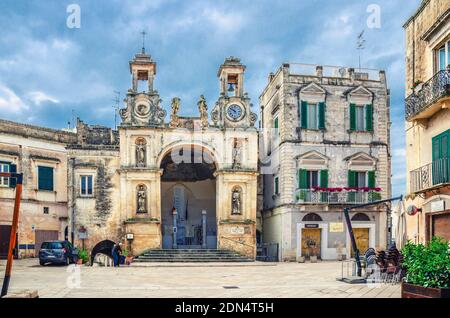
(188,184)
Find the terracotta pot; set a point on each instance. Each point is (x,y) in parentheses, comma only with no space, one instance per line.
(416,291)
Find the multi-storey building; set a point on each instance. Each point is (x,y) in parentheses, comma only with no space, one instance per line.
(326,146)
(40,154)
(427,115)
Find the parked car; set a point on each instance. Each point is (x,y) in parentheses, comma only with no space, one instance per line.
(57,252)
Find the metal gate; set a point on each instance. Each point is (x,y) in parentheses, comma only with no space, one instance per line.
(42,236)
(5,233)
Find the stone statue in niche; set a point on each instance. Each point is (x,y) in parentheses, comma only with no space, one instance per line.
(237,153)
(203,110)
(141,197)
(141,152)
(236,201)
(174,121)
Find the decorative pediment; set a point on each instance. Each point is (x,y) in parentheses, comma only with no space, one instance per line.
(313,88)
(312,159)
(361,161)
(360,91)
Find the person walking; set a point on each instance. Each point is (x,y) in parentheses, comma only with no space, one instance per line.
(116,253)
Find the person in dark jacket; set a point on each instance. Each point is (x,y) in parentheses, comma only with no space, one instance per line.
(116,253)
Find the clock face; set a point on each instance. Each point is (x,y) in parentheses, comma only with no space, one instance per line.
(235,112)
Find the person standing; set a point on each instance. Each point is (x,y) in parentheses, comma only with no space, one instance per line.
(116,253)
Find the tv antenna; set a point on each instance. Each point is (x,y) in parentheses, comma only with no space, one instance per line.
(143,41)
(116,107)
(360,46)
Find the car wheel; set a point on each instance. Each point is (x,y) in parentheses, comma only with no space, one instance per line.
(42,263)
(67,261)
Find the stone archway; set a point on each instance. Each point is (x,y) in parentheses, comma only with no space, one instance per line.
(188,184)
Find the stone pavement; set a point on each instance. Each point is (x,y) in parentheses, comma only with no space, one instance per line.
(192,280)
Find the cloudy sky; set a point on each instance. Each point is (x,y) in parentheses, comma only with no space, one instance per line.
(48,71)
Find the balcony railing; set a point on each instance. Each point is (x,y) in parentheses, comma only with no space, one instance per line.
(430,175)
(435,88)
(312,196)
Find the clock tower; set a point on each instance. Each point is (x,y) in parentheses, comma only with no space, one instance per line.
(143,101)
(233,109)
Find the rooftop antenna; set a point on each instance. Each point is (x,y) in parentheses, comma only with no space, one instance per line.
(360,46)
(116,107)
(143,41)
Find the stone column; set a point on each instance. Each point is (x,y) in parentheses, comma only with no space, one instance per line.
(204,229)
(174,229)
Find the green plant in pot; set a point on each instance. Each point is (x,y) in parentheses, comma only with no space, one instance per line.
(427,269)
(83,256)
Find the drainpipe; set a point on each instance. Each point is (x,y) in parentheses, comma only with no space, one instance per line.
(72,203)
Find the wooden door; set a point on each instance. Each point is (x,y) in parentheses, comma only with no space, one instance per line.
(5,235)
(362,240)
(41,236)
(441,225)
(311,242)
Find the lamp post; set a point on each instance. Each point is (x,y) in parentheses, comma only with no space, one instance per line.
(174,218)
(204,229)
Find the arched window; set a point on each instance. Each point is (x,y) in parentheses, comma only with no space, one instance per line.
(360,217)
(312,217)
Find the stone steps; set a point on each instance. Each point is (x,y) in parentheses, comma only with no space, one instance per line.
(191,255)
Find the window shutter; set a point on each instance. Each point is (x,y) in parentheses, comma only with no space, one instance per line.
(324,178)
(369,117)
(304,114)
(371,176)
(321,115)
(45,178)
(275,123)
(302,183)
(351,178)
(12,181)
(352,117)
(276,185)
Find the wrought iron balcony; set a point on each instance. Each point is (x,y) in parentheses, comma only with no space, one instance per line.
(417,105)
(312,196)
(430,175)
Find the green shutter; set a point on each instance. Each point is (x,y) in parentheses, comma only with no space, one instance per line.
(369,117)
(324,178)
(321,115)
(304,114)
(12,181)
(302,183)
(371,182)
(45,178)
(351,178)
(352,117)
(275,124)
(276,185)
(440,155)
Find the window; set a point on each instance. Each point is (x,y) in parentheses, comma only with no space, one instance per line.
(276,126)
(361,179)
(308,179)
(86,185)
(312,179)
(45,178)
(46,209)
(361,117)
(4,167)
(276,186)
(312,115)
(443,56)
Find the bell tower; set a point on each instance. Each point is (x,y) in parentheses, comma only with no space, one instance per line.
(233,108)
(143,101)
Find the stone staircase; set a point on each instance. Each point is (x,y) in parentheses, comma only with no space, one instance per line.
(191,256)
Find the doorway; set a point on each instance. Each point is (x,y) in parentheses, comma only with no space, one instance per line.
(188,185)
(362,240)
(311,241)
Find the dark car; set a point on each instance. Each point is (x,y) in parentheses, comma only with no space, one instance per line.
(57,252)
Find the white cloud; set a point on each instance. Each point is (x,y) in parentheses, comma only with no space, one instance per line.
(10,102)
(39,97)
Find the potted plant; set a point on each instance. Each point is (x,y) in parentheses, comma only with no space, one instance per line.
(417,85)
(83,257)
(427,270)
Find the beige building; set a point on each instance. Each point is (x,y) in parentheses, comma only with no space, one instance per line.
(188,183)
(427,115)
(40,154)
(326,146)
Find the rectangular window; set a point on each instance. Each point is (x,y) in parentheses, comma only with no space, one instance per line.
(86,185)
(4,167)
(360,119)
(443,57)
(312,179)
(276,185)
(360,179)
(312,116)
(45,178)
(46,210)
(276,126)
